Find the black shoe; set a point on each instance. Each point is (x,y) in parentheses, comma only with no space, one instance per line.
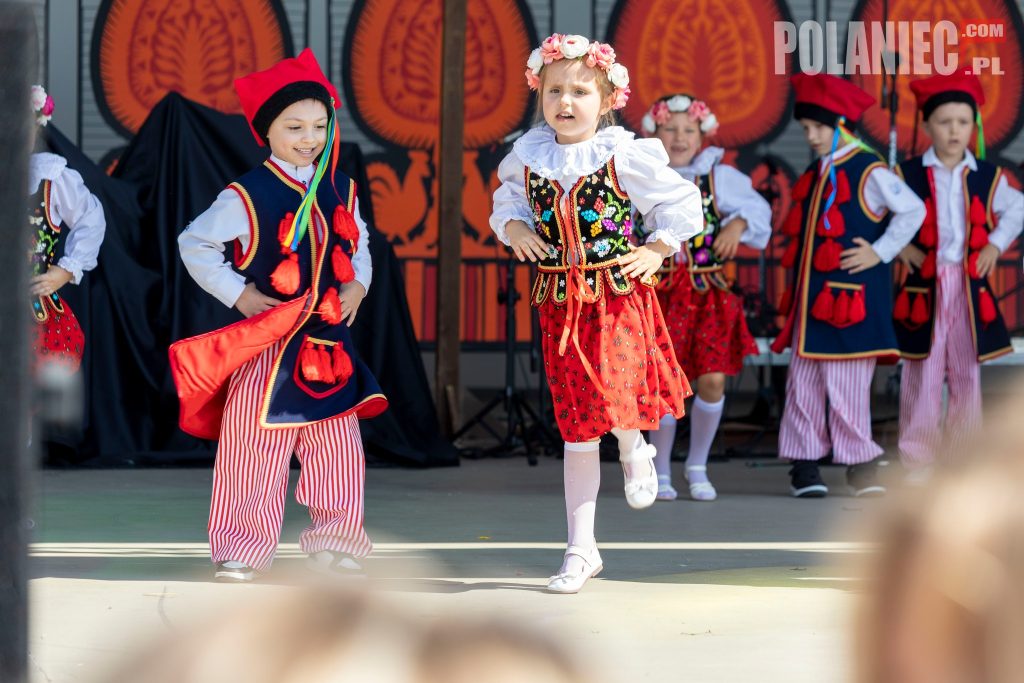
(336,563)
(234,572)
(806,480)
(863,479)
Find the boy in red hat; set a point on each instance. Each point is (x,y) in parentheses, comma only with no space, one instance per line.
(287,379)
(851,216)
(947,321)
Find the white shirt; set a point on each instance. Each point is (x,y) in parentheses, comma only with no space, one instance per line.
(671,205)
(71,203)
(884,191)
(1007,205)
(735,196)
(202,243)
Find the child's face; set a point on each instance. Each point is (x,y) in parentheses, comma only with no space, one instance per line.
(572,100)
(950,127)
(299,133)
(818,135)
(682,139)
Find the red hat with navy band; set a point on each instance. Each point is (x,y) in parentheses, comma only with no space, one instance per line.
(935,91)
(825,98)
(265,94)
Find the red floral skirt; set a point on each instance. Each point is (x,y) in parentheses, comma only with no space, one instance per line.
(58,338)
(708,329)
(627,346)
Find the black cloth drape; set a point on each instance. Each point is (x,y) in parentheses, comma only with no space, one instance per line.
(140,298)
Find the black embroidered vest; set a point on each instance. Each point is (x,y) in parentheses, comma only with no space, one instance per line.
(44,245)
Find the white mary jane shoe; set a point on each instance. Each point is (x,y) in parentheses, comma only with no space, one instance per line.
(641,492)
(566,583)
(665,489)
(701,490)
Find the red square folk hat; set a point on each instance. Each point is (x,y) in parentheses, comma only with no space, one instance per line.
(937,90)
(265,94)
(824,98)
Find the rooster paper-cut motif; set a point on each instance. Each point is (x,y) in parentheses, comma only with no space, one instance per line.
(400,206)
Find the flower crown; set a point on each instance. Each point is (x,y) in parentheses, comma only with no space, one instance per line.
(595,54)
(662,110)
(42,105)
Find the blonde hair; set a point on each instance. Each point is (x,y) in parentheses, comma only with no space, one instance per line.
(948,581)
(604,85)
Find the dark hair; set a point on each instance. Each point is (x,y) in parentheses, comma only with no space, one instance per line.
(815,112)
(945,98)
(284,98)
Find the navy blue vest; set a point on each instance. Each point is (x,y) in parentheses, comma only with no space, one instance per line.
(821,323)
(915,338)
(295,396)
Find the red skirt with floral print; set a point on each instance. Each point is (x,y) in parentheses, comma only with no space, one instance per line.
(708,329)
(58,339)
(628,348)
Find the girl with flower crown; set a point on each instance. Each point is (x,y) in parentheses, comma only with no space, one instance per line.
(567,191)
(58,201)
(705,318)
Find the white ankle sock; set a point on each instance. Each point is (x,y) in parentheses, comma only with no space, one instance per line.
(704,420)
(663,439)
(582,472)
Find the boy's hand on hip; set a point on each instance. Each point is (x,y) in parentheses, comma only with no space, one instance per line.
(351,295)
(859,258)
(253,302)
(912,257)
(987,259)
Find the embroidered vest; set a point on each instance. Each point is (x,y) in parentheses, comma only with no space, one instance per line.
(588,225)
(317,373)
(44,245)
(914,309)
(831,313)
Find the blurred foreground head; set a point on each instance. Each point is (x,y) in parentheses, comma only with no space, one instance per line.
(945,602)
(327,637)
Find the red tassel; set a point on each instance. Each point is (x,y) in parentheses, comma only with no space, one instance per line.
(858,309)
(789,257)
(842,188)
(324,362)
(836,222)
(972,265)
(342,265)
(330,307)
(841,309)
(901,309)
(341,364)
(794,221)
(986,306)
(978,214)
(928,236)
(826,256)
(786,302)
(282,229)
(802,187)
(823,303)
(345,224)
(919,312)
(979,236)
(928,267)
(285,277)
(309,363)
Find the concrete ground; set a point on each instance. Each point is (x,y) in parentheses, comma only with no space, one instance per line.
(754,587)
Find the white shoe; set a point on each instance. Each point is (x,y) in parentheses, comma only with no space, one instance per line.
(640,491)
(566,583)
(335,563)
(665,489)
(701,490)
(234,572)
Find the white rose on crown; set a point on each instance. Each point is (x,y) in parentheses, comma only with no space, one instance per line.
(535,63)
(38,97)
(679,103)
(574,46)
(618,75)
(710,122)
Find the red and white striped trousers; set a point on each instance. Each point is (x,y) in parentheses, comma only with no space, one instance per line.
(250,478)
(953,360)
(846,385)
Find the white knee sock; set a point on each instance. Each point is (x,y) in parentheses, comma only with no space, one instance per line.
(663,439)
(629,441)
(704,420)
(582,472)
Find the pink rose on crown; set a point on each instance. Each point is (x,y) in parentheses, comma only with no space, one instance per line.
(551,48)
(47,109)
(621,97)
(532,79)
(601,55)
(698,111)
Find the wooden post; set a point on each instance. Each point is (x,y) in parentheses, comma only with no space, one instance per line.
(18,54)
(449,242)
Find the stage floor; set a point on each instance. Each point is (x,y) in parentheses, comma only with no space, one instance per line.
(756,586)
